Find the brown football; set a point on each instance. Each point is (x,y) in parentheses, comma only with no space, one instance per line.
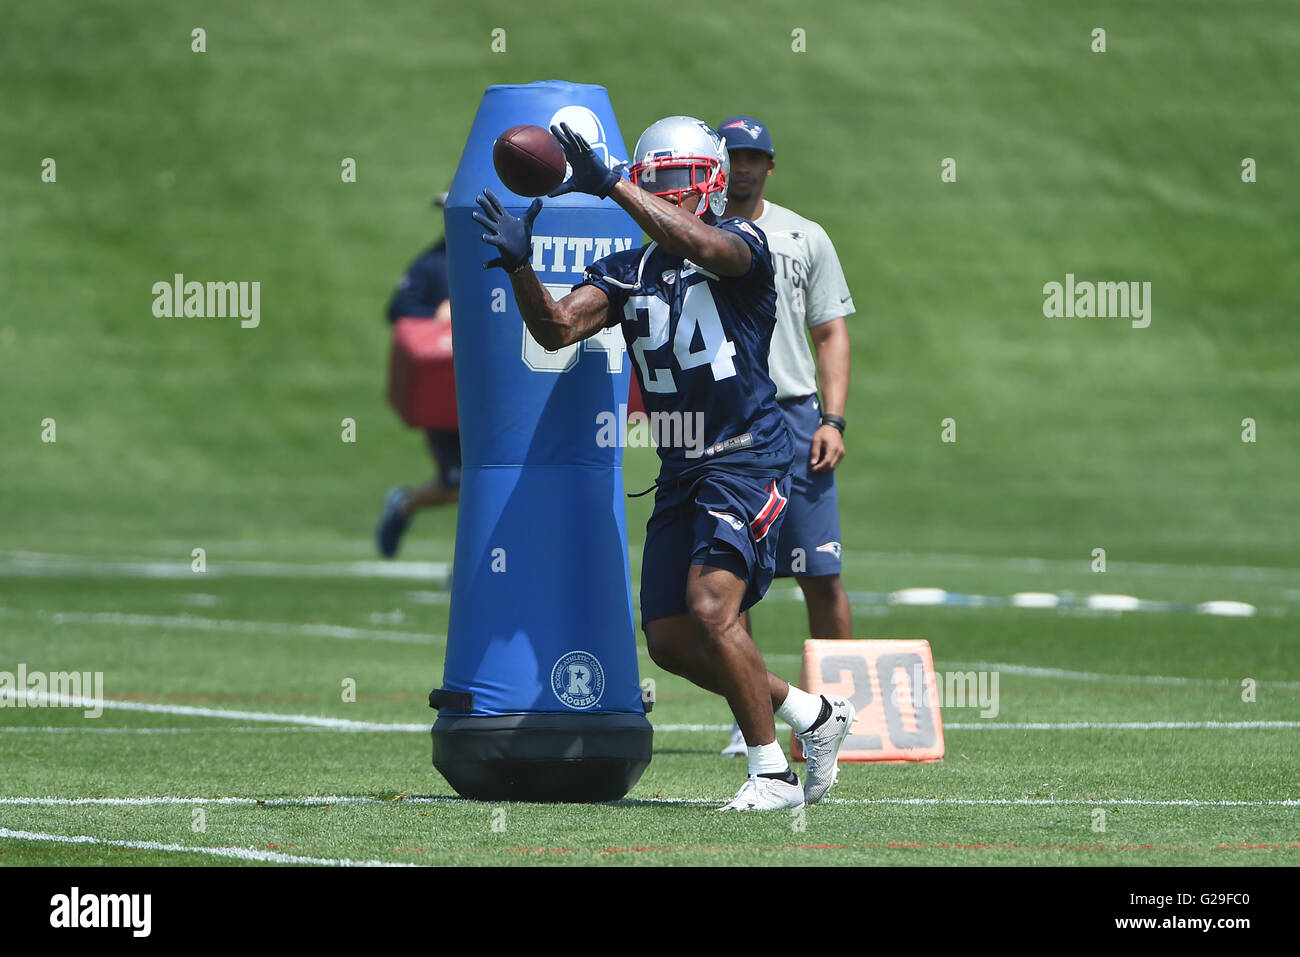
(529,160)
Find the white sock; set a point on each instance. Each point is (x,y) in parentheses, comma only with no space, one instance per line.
(800,709)
(767,759)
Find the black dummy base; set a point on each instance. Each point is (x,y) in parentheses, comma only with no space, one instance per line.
(577,757)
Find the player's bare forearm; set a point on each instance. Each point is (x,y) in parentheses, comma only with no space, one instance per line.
(682,233)
(553,324)
(831,342)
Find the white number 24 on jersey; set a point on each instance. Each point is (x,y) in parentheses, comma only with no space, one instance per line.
(699,311)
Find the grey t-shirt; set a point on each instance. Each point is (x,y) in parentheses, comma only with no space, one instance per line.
(810,290)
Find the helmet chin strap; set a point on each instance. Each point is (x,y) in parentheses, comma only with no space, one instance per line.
(721,190)
(705,193)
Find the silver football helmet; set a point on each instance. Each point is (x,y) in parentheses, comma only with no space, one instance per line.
(679,154)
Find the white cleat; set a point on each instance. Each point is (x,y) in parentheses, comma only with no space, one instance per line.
(765,794)
(821,748)
(737,748)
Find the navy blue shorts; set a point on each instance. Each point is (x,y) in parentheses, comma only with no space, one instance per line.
(721,518)
(809,545)
(445,449)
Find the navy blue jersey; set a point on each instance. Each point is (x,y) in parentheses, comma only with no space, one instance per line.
(699,343)
(423,286)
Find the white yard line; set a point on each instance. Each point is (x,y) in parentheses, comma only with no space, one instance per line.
(313,801)
(25,562)
(1081,566)
(213,730)
(661,728)
(264,550)
(994,802)
(293,629)
(1053,726)
(319,801)
(43,565)
(238,853)
(45,699)
(1030,671)
(1119,725)
(1052,802)
(236,626)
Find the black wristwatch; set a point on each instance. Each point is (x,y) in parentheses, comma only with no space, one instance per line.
(835,420)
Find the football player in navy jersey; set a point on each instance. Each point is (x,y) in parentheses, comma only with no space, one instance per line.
(697,306)
(812,299)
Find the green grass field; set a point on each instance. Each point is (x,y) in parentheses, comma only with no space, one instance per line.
(1017,796)
(175,434)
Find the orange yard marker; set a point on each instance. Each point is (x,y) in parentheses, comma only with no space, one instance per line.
(892,684)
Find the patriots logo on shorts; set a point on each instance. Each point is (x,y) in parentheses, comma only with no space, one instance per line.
(830,548)
(730,519)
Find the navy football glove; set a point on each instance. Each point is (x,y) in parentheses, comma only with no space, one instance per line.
(511,235)
(590,174)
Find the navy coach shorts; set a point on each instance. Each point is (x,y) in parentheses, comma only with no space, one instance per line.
(810,535)
(718,517)
(445,449)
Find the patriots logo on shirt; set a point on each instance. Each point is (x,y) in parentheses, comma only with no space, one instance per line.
(754,131)
(747,228)
(669,276)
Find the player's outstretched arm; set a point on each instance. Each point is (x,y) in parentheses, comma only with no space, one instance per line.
(682,233)
(553,324)
(579,315)
(673,228)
